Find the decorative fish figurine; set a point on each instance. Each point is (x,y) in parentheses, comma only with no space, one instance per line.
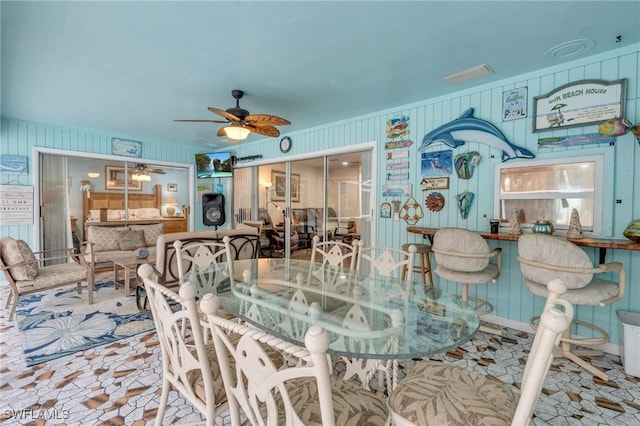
(615,127)
(636,132)
(465,163)
(464,200)
(468,128)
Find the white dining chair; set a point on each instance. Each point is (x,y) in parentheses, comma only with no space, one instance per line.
(388,261)
(434,393)
(301,393)
(329,262)
(188,365)
(207,259)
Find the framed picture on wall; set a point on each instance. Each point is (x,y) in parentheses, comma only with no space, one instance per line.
(172,187)
(115,178)
(126,148)
(279,182)
(579,103)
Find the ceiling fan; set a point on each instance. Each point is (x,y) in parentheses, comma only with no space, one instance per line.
(143,168)
(141,172)
(241,123)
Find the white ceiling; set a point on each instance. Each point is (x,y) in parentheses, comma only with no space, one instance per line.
(129,69)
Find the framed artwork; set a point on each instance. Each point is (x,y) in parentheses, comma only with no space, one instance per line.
(14,165)
(396,190)
(203,188)
(279,183)
(115,178)
(126,148)
(437,163)
(514,104)
(172,187)
(578,104)
(435,183)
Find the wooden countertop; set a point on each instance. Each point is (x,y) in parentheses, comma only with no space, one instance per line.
(603,243)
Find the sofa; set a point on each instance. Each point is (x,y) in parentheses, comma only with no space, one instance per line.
(106,244)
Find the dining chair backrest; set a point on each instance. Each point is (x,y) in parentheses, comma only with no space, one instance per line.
(268,395)
(244,246)
(206,259)
(186,362)
(329,260)
(387,261)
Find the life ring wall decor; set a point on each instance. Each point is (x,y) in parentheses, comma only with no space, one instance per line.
(411,211)
(435,201)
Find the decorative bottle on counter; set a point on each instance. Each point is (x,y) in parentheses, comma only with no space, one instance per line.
(543,227)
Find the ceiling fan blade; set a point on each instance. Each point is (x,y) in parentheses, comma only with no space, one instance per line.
(263,130)
(203,121)
(224,114)
(266,120)
(158,171)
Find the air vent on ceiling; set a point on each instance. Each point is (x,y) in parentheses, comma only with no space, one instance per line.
(469,74)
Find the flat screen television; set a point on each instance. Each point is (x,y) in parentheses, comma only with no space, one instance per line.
(214,165)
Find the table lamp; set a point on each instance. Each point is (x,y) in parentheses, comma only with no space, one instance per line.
(171,203)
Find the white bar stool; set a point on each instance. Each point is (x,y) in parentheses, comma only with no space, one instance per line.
(423,252)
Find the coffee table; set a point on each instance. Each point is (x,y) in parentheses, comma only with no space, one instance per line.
(129,265)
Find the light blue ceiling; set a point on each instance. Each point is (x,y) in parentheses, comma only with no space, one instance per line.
(130,68)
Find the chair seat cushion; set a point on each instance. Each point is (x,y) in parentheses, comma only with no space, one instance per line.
(51,276)
(594,293)
(434,393)
(488,274)
(195,377)
(352,405)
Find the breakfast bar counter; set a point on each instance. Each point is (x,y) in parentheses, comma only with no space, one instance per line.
(602,243)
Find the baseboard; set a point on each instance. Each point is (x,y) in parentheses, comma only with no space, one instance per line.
(609,348)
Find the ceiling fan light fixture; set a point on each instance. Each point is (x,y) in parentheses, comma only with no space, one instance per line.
(237,133)
(143,177)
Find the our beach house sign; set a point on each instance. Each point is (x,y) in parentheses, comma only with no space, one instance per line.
(578,104)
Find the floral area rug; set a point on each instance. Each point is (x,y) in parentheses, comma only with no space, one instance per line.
(59,322)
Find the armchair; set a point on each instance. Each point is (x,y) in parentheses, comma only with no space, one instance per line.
(30,272)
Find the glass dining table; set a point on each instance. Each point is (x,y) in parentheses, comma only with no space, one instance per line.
(367,315)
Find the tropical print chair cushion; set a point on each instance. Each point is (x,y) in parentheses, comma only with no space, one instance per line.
(352,405)
(434,393)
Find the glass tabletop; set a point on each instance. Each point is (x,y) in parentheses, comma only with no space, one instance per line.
(366,315)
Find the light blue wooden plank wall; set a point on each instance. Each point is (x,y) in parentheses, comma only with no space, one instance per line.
(509,297)
(19,138)
(622,181)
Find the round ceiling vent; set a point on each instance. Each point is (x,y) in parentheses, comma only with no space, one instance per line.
(570,48)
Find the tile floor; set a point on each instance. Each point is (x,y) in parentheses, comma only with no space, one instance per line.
(119,383)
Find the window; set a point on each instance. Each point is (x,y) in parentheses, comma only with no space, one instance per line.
(550,190)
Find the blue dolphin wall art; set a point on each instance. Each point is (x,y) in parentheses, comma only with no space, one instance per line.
(468,128)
